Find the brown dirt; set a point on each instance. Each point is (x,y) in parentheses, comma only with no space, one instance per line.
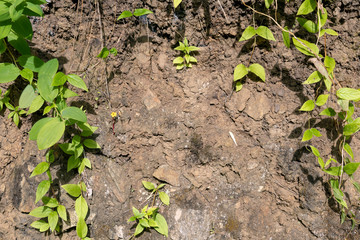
(175,124)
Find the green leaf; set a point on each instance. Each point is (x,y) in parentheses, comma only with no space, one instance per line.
(50,202)
(193,49)
(27,96)
(89,143)
(72,189)
(329,63)
(133,218)
(42,189)
(74,113)
(323,17)
(2,46)
(181,47)
(27,74)
(36,104)
(162,225)
(352,127)
(53,220)
(315,132)
(192,59)
(104,53)
(315,151)
(348,149)
(176,3)
(306,49)
(39,224)
(81,207)
(248,33)
(187,58)
(322,99)
(144,222)
(23,28)
(67,93)
(178,60)
(139,229)
(328,84)
(309,105)
(31,62)
(19,43)
(333,171)
(50,133)
(125,14)
(348,94)
(81,228)
(33,10)
(148,185)
(307,7)
(114,51)
(286,37)
(141,11)
(46,75)
(240,72)
(309,25)
(40,168)
(307,135)
(33,134)
(8,72)
(238,86)
(328,31)
(152,223)
(5,28)
(321,162)
(265,32)
(87,129)
(41,212)
(62,212)
(87,162)
(180,66)
(16,118)
(164,198)
(314,78)
(268,3)
(76,81)
(350,168)
(258,70)
(59,79)
(72,163)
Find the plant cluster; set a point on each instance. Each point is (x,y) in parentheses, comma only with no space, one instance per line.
(149,217)
(186,60)
(340,110)
(47,91)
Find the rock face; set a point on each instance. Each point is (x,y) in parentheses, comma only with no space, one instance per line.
(174,125)
(166,174)
(257,106)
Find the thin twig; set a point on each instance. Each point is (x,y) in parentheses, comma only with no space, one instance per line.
(102,46)
(227,20)
(342,161)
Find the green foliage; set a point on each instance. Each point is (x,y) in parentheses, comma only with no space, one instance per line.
(137,13)
(346,126)
(185,60)
(45,85)
(149,217)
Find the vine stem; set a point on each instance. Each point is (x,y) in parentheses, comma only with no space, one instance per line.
(342,161)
